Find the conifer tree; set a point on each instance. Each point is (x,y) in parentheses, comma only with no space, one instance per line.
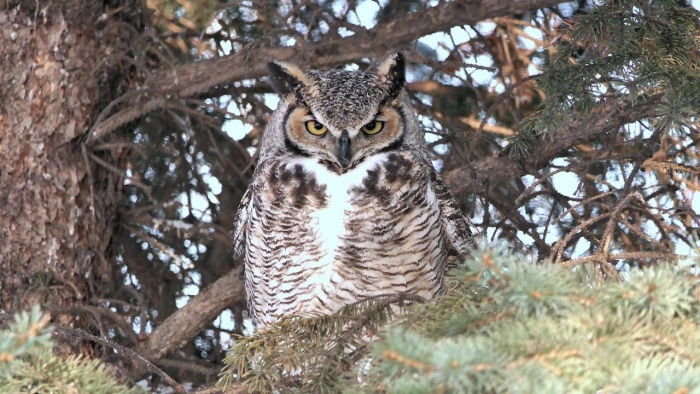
(155,151)
(507,325)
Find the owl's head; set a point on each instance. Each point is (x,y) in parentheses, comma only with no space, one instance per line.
(339,117)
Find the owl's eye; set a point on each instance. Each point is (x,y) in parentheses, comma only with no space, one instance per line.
(316,128)
(373,127)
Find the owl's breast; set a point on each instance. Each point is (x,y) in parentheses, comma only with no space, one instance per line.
(339,238)
(362,194)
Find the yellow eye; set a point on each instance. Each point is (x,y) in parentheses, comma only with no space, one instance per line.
(373,127)
(316,128)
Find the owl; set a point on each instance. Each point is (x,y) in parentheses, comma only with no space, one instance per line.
(344,203)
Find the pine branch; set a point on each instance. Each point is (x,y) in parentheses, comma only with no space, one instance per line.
(312,353)
(123,352)
(508,325)
(28,365)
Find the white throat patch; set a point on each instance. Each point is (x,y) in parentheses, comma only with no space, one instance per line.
(329,223)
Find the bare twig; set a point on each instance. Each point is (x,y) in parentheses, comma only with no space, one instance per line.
(626,255)
(479,176)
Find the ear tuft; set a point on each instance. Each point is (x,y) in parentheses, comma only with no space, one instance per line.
(286,78)
(393,69)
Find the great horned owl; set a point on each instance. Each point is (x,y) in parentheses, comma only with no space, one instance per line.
(345,203)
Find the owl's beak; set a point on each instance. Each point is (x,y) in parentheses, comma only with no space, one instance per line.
(344,153)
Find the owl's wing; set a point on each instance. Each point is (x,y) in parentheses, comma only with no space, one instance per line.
(456,225)
(240,226)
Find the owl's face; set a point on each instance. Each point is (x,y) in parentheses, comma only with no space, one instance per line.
(341,117)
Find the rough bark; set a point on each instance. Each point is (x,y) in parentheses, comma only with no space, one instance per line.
(60,65)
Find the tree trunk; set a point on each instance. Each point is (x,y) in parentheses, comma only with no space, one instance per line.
(59,67)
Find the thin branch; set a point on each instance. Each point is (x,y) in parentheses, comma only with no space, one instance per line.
(627,255)
(480,176)
(249,62)
(132,355)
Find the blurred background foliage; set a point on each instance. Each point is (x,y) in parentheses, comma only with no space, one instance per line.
(505,89)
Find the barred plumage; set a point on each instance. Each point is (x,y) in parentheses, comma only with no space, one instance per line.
(344,203)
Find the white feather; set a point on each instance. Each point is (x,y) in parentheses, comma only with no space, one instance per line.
(329,223)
